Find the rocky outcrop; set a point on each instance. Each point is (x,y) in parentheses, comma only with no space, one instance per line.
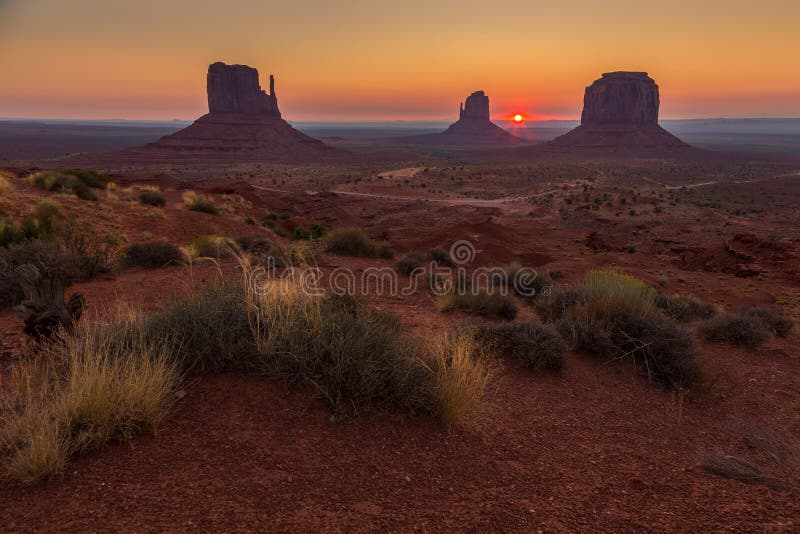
(473,128)
(621,98)
(243,123)
(477,107)
(235,89)
(620,113)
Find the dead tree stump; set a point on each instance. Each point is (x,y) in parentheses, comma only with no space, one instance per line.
(44,310)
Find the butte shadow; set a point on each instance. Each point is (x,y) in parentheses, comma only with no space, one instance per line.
(243,123)
(472,129)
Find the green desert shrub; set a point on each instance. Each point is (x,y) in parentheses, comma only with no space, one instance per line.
(386,252)
(76,181)
(350,242)
(747,327)
(209,329)
(42,223)
(352,355)
(614,316)
(735,328)
(203,205)
(411,261)
(485,303)
(151,254)
(301,233)
(152,198)
(685,308)
(778,324)
(536,345)
(441,257)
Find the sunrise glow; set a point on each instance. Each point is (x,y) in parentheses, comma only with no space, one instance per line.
(147,58)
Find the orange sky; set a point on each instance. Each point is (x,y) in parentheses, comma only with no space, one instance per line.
(410,59)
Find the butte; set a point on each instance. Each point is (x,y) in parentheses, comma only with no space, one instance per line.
(473,128)
(620,113)
(243,123)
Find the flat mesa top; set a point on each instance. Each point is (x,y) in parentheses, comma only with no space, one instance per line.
(624,74)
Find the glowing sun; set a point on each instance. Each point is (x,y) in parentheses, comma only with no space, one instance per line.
(518,118)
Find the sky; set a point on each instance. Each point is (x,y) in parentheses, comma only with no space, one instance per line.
(401,60)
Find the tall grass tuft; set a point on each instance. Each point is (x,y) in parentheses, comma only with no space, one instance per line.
(460,373)
(103,383)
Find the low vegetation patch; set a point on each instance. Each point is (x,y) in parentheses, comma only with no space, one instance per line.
(350,242)
(614,316)
(76,181)
(110,383)
(201,204)
(411,261)
(5,184)
(55,245)
(525,282)
(746,327)
(778,324)
(485,303)
(151,254)
(685,308)
(211,246)
(536,345)
(302,233)
(152,198)
(86,391)
(41,223)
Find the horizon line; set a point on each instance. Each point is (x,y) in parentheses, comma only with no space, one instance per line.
(379,121)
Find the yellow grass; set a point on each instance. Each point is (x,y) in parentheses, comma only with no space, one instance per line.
(460,373)
(5,184)
(86,390)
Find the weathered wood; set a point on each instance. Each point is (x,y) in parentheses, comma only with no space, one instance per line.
(44,310)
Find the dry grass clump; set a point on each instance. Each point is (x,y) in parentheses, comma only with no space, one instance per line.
(350,242)
(614,316)
(609,285)
(83,392)
(761,455)
(536,345)
(746,327)
(77,181)
(152,198)
(201,203)
(211,246)
(485,303)
(459,371)
(152,254)
(5,184)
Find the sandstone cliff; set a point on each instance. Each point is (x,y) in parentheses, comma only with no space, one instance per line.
(473,127)
(620,113)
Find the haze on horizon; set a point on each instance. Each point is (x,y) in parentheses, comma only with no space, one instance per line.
(414,60)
